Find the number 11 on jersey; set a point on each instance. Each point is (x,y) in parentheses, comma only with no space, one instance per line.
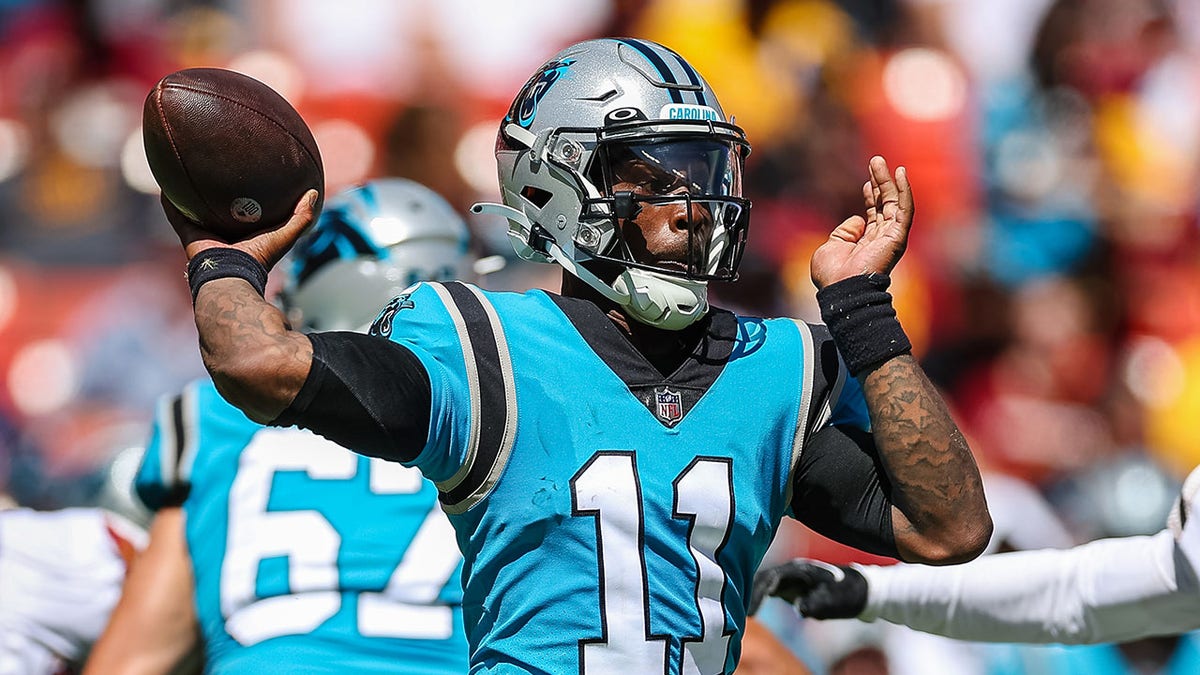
(608,489)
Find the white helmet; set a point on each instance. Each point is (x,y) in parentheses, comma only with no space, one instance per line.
(370,243)
(593,106)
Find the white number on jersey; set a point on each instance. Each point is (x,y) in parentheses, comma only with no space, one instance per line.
(607,487)
(404,609)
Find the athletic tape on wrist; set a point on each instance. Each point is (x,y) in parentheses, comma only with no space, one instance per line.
(223,263)
(860,316)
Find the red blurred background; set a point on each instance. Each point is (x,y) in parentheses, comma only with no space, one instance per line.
(1052,287)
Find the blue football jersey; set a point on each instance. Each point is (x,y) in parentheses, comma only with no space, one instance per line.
(603,531)
(307,557)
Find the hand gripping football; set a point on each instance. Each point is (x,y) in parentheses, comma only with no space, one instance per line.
(228,151)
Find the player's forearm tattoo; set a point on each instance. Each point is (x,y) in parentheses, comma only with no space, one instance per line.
(936,483)
(255,359)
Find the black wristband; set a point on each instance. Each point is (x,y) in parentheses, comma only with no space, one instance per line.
(222,263)
(860,316)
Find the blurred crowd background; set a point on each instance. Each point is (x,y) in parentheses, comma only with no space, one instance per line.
(1052,285)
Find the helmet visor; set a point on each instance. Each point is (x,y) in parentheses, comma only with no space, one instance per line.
(699,166)
(678,185)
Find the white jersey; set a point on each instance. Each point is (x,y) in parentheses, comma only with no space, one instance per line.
(1110,590)
(60,577)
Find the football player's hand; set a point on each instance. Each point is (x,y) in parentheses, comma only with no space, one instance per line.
(266,246)
(872,244)
(816,589)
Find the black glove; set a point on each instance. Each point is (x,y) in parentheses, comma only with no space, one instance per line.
(818,590)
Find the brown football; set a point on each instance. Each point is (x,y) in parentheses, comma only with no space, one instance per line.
(228,151)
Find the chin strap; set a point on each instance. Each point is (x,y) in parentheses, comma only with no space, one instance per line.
(653,299)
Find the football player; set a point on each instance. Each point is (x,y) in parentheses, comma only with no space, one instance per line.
(277,549)
(616,459)
(1110,590)
(60,576)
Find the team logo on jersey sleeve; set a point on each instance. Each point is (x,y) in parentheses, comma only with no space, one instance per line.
(668,406)
(383,325)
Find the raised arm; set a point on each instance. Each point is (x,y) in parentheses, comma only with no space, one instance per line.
(360,391)
(256,360)
(939,513)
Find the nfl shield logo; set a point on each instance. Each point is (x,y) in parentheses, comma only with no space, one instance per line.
(669,405)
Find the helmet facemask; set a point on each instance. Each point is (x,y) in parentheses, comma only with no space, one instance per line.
(639,174)
(692,180)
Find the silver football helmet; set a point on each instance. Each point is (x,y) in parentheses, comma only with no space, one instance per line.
(370,243)
(570,138)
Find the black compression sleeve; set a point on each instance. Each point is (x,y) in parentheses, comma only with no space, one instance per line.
(841,491)
(364,393)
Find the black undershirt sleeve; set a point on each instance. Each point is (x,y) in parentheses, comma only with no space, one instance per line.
(841,491)
(364,393)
